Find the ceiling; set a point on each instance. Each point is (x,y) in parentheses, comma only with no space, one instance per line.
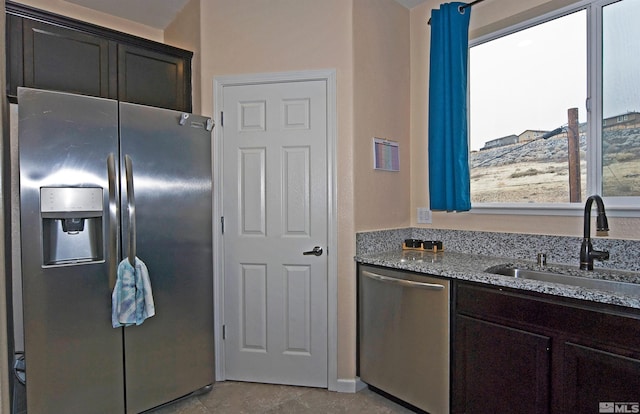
(157,13)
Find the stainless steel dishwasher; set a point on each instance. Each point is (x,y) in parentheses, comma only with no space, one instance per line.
(404,336)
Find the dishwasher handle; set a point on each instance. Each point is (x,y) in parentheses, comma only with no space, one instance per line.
(402,282)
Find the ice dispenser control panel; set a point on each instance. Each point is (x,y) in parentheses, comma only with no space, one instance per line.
(70,199)
(72,225)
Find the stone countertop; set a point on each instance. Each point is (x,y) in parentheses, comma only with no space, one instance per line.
(471,267)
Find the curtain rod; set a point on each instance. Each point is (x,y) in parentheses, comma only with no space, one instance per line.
(461,8)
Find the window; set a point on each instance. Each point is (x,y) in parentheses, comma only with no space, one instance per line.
(535,138)
(621,98)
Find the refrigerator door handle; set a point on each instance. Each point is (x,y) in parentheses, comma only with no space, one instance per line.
(131,207)
(113,220)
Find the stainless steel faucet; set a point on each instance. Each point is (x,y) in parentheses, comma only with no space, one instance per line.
(587,254)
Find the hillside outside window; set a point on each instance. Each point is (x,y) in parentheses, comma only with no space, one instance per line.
(554,108)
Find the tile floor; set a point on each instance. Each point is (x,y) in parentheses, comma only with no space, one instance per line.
(250,398)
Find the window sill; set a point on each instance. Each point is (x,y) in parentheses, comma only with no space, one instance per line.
(541,209)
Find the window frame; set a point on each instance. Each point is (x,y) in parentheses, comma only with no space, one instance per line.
(616,206)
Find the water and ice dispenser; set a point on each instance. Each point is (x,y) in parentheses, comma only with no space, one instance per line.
(71,225)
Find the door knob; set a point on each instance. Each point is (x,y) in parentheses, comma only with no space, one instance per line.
(317,251)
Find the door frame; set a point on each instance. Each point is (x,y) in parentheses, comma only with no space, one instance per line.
(219,83)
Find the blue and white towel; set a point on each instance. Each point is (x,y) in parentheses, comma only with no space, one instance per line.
(132,299)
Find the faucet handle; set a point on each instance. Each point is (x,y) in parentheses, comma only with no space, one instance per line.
(599,255)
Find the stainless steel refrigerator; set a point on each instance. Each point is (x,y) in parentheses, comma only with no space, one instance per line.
(83,209)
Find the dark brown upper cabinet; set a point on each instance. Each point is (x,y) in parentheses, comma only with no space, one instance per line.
(50,51)
(149,77)
(65,60)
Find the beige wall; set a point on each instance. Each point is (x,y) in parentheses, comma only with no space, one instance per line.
(485,18)
(381,109)
(248,36)
(184,32)
(367,42)
(95,17)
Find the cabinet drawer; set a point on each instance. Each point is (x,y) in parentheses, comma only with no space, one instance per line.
(547,314)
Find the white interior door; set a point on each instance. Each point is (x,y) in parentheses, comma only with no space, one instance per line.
(275,210)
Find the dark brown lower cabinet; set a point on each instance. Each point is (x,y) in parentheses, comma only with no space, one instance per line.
(520,352)
(594,377)
(501,369)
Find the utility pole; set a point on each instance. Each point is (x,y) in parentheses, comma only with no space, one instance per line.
(573,137)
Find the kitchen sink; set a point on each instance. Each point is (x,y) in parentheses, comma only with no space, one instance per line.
(614,286)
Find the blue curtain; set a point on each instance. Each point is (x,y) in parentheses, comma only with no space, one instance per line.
(448,142)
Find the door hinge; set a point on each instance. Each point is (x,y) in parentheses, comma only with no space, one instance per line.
(221,119)
(224,332)
(222,224)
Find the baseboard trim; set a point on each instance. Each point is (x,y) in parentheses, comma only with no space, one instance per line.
(349,385)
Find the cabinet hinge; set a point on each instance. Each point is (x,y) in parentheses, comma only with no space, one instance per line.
(222,224)
(222,119)
(224,332)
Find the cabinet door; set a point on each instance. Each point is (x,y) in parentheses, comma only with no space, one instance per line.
(15,75)
(593,377)
(150,78)
(499,369)
(64,60)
